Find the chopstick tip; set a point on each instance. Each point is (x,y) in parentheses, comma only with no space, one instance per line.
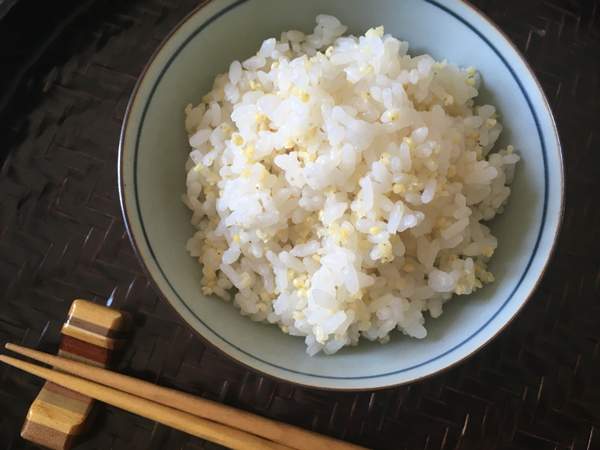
(14,362)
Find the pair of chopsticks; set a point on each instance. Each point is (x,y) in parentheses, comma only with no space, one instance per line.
(199,417)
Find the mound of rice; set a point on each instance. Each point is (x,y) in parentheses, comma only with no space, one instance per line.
(339,186)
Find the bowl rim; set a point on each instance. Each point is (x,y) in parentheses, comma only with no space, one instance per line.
(125,209)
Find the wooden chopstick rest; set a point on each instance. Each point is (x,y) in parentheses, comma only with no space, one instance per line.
(93,324)
(89,335)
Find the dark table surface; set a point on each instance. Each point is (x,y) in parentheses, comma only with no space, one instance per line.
(67,70)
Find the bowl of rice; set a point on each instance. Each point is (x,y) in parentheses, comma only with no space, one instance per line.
(339,194)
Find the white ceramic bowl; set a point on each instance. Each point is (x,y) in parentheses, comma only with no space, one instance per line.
(153,150)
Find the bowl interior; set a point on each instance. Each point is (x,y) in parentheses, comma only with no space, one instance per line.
(154,150)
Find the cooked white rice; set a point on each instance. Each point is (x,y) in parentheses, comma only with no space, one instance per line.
(338,185)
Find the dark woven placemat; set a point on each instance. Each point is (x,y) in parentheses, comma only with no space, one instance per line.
(67,70)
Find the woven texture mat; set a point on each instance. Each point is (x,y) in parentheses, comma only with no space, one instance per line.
(66,76)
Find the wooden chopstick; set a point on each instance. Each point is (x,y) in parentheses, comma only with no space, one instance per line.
(174,418)
(284,434)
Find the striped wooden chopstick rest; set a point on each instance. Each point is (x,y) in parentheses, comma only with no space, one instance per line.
(89,335)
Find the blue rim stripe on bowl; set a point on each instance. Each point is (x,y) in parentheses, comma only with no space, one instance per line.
(540,232)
